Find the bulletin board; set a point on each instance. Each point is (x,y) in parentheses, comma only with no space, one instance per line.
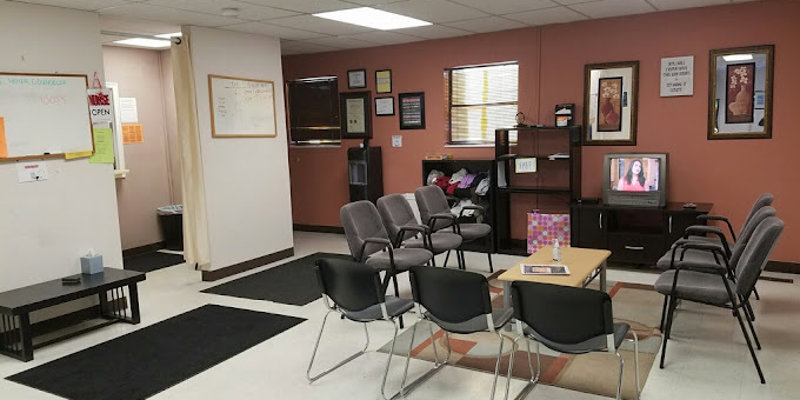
(43,115)
(241,107)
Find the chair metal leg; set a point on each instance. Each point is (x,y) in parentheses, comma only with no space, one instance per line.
(534,376)
(619,382)
(755,292)
(497,366)
(671,310)
(389,362)
(491,267)
(343,362)
(749,345)
(446,257)
(463,260)
(753,331)
(663,313)
(397,294)
(405,389)
(636,362)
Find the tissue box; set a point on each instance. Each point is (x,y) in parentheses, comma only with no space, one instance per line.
(91,264)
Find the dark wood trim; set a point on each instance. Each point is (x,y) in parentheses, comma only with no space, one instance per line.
(224,272)
(318,228)
(783,266)
(71,319)
(148,248)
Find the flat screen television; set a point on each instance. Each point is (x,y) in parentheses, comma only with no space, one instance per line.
(635,179)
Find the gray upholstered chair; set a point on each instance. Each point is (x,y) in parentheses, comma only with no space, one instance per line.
(435,212)
(353,290)
(403,227)
(369,242)
(711,283)
(764,200)
(540,310)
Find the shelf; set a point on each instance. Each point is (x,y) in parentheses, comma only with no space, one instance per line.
(538,190)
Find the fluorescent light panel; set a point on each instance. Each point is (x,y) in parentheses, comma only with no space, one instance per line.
(737,57)
(170,35)
(372,18)
(144,42)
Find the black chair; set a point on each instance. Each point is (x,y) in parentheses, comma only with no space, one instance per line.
(402,225)
(570,320)
(435,212)
(457,302)
(712,284)
(357,294)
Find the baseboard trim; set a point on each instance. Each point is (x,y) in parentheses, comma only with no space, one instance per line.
(783,266)
(318,228)
(148,248)
(225,272)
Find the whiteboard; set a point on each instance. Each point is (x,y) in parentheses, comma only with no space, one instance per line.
(45,114)
(241,107)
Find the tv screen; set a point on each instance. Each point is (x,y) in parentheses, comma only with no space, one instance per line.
(634,174)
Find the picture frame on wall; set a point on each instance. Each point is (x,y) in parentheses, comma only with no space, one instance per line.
(740,92)
(383,81)
(355,108)
(384,106)
(611,95)
(412,110)
(356,79)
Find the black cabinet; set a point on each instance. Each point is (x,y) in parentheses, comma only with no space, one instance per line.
(635,235)
(365,173)
(449,167)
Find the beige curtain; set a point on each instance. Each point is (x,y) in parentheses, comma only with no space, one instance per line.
(195,224)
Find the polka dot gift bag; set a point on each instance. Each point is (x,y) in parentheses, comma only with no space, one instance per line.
(543,229)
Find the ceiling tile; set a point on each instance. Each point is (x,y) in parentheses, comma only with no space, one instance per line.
(371,2)
(180,17)
(114,23)
(304,6)
(433,10)
(556,15)
(488,24)
(297,47)
(571,2)
(87,5)
(434,32)
(613,8)
(321,25)
(506,6)
(676,4)
(273,31)
(247,11)
(342,42)
(385,38)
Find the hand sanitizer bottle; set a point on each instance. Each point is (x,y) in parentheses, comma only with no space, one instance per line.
(556,251)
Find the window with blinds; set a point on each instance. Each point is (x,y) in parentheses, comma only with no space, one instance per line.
(481,99)
(314,110)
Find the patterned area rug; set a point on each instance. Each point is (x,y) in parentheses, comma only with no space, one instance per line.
(637,305)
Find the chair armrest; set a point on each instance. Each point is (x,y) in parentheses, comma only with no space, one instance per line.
(702,230)
(715,249)
(420,229)
(416,228)
(707,217)
(375,240)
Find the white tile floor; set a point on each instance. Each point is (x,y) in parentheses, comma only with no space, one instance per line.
(707,358)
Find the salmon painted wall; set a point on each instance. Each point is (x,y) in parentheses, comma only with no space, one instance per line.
(730,173)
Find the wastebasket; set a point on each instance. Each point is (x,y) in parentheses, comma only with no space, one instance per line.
(171,220)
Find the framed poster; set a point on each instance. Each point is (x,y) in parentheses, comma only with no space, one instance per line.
(412,110)
(356,110)
(740,93)
(241,107)
(383,81)
(384,106)
(610,103)
(356,79)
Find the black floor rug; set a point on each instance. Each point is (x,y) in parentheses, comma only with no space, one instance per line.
(148,262)
(291,283)
(143,363)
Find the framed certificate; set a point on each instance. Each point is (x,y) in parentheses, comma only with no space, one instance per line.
(383,81)
(356,110)
(384,106)
(356,79)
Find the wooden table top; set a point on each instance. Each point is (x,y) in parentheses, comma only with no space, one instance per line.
(581,262)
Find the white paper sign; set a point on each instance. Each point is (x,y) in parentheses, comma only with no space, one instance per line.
(128,111)
(525,165)
(397,141)
(31,171)
(677,76)
(100,105)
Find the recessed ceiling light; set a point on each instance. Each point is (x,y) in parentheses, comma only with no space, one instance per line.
(170,35)
(144,42)
(737,57)
(372,18)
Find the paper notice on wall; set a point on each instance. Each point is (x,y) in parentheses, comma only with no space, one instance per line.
(100,105)
(103,147)
(77,154)
(3,145)
(132,133)
(31,172)
(129,114)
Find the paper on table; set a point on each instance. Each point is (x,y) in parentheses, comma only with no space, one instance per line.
(3,146)
(544,269)
(103,147)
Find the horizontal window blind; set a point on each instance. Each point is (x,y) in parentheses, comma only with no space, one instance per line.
(314,110)
(482,99)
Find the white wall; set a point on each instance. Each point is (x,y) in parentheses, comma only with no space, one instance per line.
(46,226)
(247,180)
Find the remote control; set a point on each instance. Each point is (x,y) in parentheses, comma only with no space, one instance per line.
(689,205)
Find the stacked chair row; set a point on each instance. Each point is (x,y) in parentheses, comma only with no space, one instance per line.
(460,302)
(719,272)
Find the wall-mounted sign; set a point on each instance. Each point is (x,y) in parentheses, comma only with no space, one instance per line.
(100,105)
(677,76)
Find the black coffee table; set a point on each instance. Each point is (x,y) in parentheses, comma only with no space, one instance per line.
(16,339)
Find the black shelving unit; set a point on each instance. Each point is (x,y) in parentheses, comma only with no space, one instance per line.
(551,189)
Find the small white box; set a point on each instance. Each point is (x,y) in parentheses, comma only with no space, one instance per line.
(91,264)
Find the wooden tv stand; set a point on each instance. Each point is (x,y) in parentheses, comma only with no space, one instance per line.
(635,235)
